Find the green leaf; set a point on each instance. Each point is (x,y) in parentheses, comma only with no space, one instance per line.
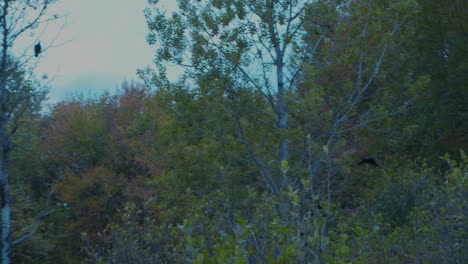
(284,165)
(325,149)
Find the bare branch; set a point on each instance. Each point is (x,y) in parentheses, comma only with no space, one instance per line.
(269,180)
(39,220)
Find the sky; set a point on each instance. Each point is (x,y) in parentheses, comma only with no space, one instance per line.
(98,44)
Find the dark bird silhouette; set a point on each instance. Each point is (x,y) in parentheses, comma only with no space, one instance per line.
(371,161)
(37,49)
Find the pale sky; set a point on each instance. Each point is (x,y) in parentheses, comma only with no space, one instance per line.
(103,42)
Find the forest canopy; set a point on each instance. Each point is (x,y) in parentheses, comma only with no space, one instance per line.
(299,132)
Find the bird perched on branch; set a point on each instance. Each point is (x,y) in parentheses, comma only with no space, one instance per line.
(37,49)
(370,160)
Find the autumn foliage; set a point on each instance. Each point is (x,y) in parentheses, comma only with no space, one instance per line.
(189,171)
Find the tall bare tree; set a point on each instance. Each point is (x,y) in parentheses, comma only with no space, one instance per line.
(18,91)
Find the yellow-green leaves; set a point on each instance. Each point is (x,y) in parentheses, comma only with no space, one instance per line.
(284,165)
(325,149)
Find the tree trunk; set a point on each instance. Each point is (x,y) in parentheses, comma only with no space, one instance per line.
(282,113)
(5,202)
(282,117)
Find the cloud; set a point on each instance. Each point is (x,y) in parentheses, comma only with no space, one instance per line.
(105,43)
